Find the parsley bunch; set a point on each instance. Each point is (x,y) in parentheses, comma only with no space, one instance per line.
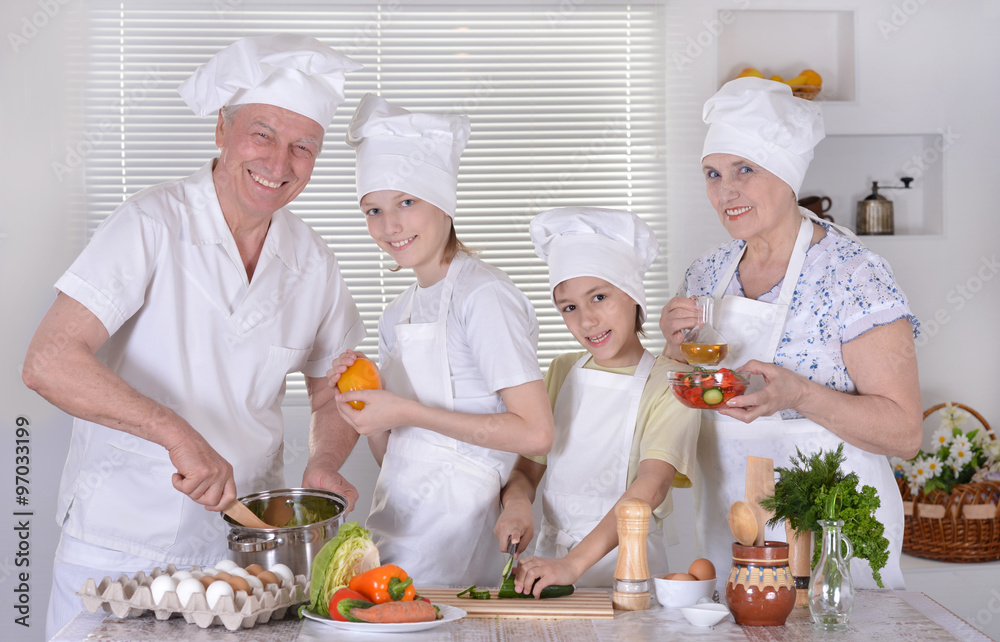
(814,488)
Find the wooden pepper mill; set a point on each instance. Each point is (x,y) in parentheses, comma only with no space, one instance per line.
(631,587)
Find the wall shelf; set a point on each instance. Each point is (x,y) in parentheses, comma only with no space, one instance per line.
(786,42)
(844,167)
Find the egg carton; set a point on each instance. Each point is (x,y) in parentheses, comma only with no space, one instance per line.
(131,597)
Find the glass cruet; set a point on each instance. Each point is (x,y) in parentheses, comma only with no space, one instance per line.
(703,345)
(831,588)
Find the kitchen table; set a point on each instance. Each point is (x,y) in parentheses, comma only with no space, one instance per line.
(900,616)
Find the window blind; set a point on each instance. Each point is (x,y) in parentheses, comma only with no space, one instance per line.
(565,100)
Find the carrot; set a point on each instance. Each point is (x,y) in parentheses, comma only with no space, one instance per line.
(397,612)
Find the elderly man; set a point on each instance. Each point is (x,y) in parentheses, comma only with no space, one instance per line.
(172,333)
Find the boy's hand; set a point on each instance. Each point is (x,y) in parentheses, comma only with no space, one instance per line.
(539,572)
(515,524)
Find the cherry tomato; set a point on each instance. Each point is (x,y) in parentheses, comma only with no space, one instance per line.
(343,594)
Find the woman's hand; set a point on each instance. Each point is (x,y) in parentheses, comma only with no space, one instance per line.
(539,572)
(340,364)
(783,389)
(516,524)
(383,410)
(679,314)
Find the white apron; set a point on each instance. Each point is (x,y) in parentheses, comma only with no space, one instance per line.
(753,329)
(434,508)
(587,469)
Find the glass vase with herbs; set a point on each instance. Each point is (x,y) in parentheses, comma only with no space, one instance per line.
(814,488)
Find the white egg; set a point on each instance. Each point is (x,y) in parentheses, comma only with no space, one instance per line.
(242,572)
(283,572)
(226,565)
(181,575)
(254,582)
(160,586)
(188,587)
(216,590)
(211,570)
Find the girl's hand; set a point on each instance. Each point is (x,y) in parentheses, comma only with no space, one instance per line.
(783,390)
(546,571)
(383,410)
(679,314)
(340,364)
(515,524)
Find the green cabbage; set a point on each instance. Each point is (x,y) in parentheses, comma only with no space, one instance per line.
(351,552)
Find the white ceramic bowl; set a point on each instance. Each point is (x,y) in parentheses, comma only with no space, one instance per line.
(708,614)
(677,593)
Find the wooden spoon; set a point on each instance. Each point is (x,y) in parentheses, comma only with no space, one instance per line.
(743,523)
(244,516)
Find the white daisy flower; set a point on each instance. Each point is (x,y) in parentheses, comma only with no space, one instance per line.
(961,454)
(941,437)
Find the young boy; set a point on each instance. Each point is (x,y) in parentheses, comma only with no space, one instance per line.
(619,430)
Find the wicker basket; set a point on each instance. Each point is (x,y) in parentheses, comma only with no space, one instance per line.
(805,91)
(961,527)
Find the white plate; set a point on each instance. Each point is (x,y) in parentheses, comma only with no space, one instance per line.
(448,614)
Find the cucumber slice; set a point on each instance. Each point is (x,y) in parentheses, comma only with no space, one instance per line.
(712,396)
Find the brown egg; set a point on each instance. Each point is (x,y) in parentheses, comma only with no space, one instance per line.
(206,580)
(255,569)
(222,575)
(239,584)
(702,569)
(680,577)
(267,577)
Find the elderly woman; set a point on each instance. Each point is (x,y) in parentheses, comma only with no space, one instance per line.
(803,305)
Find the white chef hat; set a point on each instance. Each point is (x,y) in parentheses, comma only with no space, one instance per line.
(415,153)
(297,73)
(761,121)
(613,245)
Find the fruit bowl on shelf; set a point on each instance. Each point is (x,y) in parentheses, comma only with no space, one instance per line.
(805,91)
(706,389)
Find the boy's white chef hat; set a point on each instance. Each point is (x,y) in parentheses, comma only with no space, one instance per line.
(613,245)
(411,152)
(761,121)
(297,73)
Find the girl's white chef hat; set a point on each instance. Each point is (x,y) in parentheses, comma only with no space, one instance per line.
(415,153)
(761,121)
(613,245)
(297,73)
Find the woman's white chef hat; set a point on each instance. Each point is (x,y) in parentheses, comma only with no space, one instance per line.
(613,245)
(415,153)
(297,73)
(761,121)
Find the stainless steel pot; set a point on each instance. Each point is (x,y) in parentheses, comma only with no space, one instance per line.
(309,518)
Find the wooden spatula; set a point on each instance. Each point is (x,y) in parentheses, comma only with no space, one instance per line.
(760,484)
(244,516)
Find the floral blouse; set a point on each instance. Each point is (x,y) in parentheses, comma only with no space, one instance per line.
(844,291)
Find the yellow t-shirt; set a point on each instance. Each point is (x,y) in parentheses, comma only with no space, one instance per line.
(665,428)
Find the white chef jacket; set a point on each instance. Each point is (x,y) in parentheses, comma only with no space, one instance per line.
(189,330)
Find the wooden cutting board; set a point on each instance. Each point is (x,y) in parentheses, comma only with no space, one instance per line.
(583,603)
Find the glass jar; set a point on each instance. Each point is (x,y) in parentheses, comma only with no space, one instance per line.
(831,588)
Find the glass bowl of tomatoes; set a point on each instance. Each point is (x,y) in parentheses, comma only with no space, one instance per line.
(707,389)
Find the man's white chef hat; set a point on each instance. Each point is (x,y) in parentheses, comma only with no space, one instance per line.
(613,245)
(761,121)
(415,153)
(297,73)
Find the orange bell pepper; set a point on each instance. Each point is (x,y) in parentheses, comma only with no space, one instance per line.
(387,583)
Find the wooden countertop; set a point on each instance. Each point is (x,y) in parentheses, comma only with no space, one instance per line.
(905,615)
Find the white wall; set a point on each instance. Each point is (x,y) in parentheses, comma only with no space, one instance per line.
(937,72)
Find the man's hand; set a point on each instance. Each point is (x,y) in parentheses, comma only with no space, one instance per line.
(316,476)
(202,474)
